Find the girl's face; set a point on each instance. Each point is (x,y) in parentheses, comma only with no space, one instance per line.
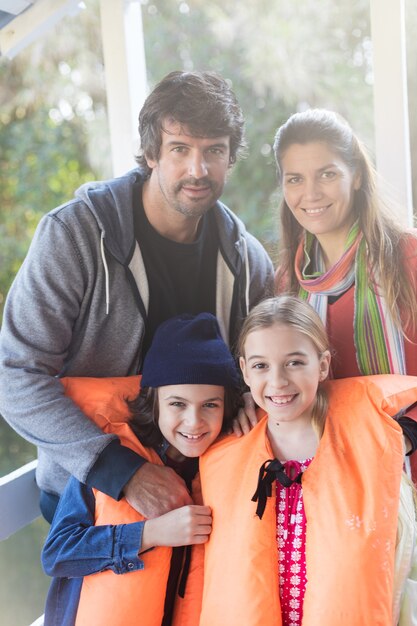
(190,416)
(283,370)
(318,187)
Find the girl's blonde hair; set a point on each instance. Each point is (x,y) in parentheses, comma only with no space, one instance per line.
(291,311)
(384,237)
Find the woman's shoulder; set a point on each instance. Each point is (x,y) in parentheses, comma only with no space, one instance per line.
(409,244)
(409,255)
(281,281)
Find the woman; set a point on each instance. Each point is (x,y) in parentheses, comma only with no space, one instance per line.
(343,252)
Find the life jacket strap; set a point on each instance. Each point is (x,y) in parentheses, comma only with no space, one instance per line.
(269,472)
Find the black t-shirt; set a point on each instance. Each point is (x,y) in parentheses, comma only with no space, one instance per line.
(181,276)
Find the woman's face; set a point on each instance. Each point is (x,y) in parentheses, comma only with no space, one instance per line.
(318,188)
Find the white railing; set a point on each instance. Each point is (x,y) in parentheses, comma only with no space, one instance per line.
(19,504)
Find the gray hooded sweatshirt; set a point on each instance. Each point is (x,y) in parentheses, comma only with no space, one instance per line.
(77,308)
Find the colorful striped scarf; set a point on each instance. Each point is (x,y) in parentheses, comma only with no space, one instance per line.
(378,341)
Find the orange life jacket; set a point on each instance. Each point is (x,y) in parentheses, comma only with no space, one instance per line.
(109,599)
(351,497)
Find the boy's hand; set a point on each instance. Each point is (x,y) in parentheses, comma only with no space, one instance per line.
(182,527)
(246,418)
(155,489)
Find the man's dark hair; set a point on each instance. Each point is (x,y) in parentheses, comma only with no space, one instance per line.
(203,101)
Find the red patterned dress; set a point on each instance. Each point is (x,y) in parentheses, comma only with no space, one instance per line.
(291,538)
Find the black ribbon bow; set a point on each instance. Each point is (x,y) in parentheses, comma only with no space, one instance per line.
(269,472)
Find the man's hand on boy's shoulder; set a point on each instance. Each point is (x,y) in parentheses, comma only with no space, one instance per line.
(154,490)
(247,418)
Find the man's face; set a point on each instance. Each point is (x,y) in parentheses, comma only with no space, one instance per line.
(191,171)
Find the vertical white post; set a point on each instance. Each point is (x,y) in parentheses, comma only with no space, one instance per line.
(392,135)
(125,74)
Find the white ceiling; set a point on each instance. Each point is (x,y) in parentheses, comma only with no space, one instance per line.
(9,9)
(24,21)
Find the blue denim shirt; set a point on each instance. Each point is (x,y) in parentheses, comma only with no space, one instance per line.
(75,548)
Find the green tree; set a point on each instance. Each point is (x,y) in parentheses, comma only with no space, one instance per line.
(280,57)
(52,131)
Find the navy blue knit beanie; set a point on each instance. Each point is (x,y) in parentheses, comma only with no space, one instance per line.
(189,350)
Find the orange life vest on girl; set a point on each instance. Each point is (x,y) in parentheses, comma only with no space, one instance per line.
(351,497)
(109,599)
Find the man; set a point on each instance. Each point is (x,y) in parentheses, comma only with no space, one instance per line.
(105,269)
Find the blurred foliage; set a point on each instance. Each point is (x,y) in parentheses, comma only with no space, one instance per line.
(14,451)
(52,113)
(41,164)
(279,57)
(23,586)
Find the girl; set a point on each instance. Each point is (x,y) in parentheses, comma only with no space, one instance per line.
(305,506)
(342,252)
(111,566)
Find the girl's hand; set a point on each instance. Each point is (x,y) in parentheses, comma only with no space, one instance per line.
(188,525)
(246,418)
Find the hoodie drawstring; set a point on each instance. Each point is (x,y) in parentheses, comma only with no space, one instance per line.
(106,272)
(247,271)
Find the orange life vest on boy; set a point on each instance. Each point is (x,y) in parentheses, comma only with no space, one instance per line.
(137,597)
(351,497)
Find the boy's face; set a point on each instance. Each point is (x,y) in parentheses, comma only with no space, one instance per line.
(191,416)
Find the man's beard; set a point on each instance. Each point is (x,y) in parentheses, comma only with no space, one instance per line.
(196,208)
